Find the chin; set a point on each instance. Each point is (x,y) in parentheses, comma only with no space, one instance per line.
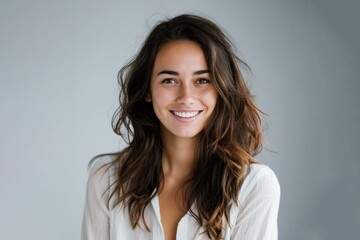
(186,134)
(181,132)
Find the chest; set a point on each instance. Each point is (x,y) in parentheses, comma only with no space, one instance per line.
(172,210)
(187,227)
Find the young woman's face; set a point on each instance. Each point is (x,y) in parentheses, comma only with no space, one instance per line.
(181,90)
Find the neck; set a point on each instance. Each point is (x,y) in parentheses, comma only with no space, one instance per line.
(178,156)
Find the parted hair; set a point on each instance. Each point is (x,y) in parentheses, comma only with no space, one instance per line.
(227,145)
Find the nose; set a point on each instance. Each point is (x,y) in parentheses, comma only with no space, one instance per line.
(185,95)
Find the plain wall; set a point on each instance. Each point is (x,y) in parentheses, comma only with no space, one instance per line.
(58,66)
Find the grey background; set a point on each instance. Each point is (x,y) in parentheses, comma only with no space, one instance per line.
(58,67)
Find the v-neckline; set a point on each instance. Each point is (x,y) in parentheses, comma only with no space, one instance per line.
(155,203)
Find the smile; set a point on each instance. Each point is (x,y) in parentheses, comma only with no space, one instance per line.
(186,114)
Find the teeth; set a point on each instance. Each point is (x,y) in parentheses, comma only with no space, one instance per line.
(186,114)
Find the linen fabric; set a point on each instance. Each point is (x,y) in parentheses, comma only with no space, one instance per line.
(254,217)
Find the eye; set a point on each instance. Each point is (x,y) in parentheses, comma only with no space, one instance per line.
(202,81)
(169,81)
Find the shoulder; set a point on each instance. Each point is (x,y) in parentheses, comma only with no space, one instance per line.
(260,181)
(99,166)
(99,176)
(96,210)
(255,214)
(97,163)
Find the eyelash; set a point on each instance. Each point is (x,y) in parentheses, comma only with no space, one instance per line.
(202,81)
(198,81)
(168,81)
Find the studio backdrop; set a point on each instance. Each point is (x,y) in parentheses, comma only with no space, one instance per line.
(58,66)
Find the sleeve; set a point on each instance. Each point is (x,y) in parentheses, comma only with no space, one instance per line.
(257,219)
(95,224)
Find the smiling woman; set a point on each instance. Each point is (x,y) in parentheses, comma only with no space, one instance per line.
(181,92)
(192,130)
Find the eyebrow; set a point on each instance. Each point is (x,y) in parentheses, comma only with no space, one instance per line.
(177,74)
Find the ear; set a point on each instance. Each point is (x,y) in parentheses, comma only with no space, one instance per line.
(148,97)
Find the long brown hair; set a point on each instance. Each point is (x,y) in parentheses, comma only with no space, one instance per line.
(227,144)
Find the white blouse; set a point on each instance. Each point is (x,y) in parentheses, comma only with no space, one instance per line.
(255,216)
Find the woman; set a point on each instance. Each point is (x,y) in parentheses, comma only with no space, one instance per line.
(192,129)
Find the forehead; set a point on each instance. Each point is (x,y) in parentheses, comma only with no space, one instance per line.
(180,53)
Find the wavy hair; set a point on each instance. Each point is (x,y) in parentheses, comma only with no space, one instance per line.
(227,144)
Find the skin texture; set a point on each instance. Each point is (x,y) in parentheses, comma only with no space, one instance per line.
(180,83)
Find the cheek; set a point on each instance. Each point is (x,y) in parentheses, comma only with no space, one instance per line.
(161,97)
(210,98)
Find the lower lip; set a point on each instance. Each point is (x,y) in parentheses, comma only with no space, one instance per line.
(185,120)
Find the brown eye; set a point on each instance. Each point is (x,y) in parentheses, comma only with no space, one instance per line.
(202,81)
(169,81)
